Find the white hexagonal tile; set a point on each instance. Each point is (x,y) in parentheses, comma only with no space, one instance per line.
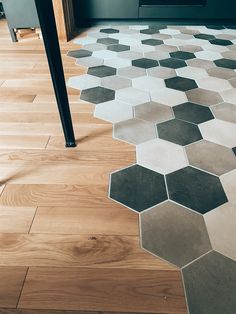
(142,48)
(113,111)
(131,72)
(148,83)
(118,63)
(105,54)
(219,132)
(170,31)
(115,82)
(83,81)
(161,156)
(229,96)
(228,181)
(85,40)
(130,55)
(192,72)
(208,55)
(89,62)
(213,83)
(169,97)
(132,96)
(130,41)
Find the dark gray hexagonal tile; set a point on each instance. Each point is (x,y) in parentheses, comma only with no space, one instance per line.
(226,63)
(138,188)
(183,55)
(217,27)
(102,71)
(210,285)
(195,189)
(192,113)
(234,150)
(107,41)
(154,29)
(180,83)
(97,95)
(221,42)
(178,132)
(166,230)
(109,30)
(173,63)
(152,42)
(81,53)
(204,36)
(118,48)
(145,63)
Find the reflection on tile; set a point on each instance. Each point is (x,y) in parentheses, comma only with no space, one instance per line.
(210,284)
(195,189)
(211,157)
(228,181)
(191,112)
(138,188)
(153,112)
(174,233)
(113,111)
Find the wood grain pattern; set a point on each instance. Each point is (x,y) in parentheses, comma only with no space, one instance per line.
(105,290)
(11,281)
(27,141)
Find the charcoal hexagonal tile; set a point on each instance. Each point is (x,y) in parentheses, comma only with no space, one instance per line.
(204,97)
(210,284)
(169,97)
(81,53)
(166,230)
(107,41)
(109,30)
(132,96)
(153,29)
(195,189)
(115,82)
(219,132)
(213,83)
(194,113)
(138,188)
(153,112)
(221,228)
(144,63)
(131,72)
(173,63)
(228,181)
(214,158)
(226,63)
(204,36)
(225,111)
(118,48)
(148,83)
(178,132)
(180,83)
(152,42)
(183,55)
(97,95)
(234,150)
(221,42)
(219,27)
(102,71)
(113,111)
(161,156)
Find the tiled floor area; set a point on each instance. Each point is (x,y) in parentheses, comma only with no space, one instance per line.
(171,91)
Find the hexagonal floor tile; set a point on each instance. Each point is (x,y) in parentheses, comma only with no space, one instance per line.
(226,63)
(153,29)
(221,42)
(109,30)
(104,54)
(190,187)
(161,156)
(131,72)
(200,63)
(97,95)
(180,83)
(144,63)
(152,42)
(118,63)
(194,113)
(173,63)
(169,97)
(115,82)
(107,41)
(183,55)
(130,55)
(148,83)
(81,53)
(83,81)
(161,72)
(219,132)
(132,96)
(153,112)
(213,291)
(204,97)
(135,131)
(225,111)
(178,132)
(213,83)
(211,157)
(113,111)
(138,188)
(89,62)
(156,55)
(222,73)
(221,228)
(102,71)
(174,233)
(228,181)
(230,96)
(192,72)
(118,48)
(208,55)
(204,36)
(190,48)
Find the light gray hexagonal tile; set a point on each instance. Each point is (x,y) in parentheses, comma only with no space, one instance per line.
(228,181)
(148,83)
(204,97)
(190,48)
(219,132)
(161,72)
(192,72)
(113,111)
(142,48)
(94,47)
(132,96)
(169,97)
(130,55)
(208,55)
(115,82)
(229,96)
(156,55)
(89,62)
(153,112)
(222,73)
(214,84)
(135,131)
(105,54)
(85,40)
(161,156)
(118,63)
(225,111)
(131,72)
(221,229)
(83,81)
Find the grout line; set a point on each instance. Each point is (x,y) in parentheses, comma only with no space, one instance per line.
(33,220)
(23,284)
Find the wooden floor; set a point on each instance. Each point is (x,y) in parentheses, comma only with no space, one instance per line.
(64,246)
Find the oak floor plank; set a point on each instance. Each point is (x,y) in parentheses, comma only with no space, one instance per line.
(104,290)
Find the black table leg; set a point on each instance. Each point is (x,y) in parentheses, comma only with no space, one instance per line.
(50,37)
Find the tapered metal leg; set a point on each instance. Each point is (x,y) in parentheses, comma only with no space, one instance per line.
(50,37)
